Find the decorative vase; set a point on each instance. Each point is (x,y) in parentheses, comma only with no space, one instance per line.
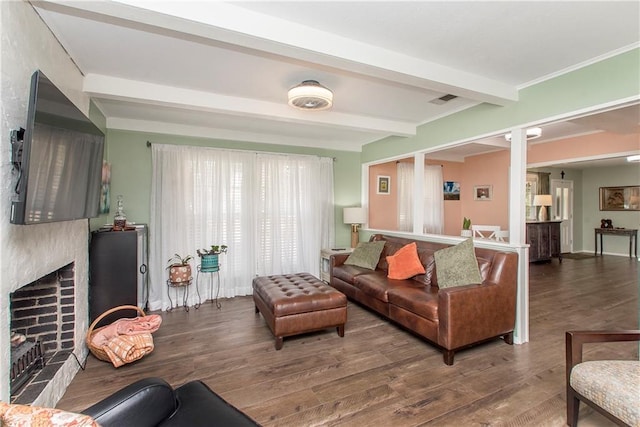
(209,263)
(180,274)
(466,233)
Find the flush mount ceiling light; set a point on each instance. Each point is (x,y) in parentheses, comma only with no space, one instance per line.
(532,133)
(310,95)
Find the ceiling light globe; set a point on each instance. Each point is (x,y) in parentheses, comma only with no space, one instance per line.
(310,95)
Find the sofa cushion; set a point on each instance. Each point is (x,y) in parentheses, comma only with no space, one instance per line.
(422,301)
(24,415)
(612,385)
(366,255)
(405,263)
(348,273)
(457,265)
(377,284)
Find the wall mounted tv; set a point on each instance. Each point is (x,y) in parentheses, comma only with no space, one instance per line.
(60,170)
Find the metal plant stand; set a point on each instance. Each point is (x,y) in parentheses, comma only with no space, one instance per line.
(185,294)
(211,284)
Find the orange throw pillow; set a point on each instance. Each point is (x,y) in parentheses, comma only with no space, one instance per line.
(405,263)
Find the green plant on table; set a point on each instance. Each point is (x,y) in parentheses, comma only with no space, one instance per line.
(177,260)
(214,250)
(466,223)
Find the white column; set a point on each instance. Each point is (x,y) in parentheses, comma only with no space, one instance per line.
(517,232)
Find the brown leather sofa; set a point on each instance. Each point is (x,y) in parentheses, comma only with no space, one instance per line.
(450,318)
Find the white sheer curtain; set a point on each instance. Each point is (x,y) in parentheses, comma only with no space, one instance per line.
(270,210)
(433,199)
(405,196)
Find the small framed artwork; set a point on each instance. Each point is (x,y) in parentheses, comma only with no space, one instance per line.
(384,184)
(482,192)
(451,190)
(624,198)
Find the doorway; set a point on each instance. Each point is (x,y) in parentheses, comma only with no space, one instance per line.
(562,209)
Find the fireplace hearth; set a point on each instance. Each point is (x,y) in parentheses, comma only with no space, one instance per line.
(43,321)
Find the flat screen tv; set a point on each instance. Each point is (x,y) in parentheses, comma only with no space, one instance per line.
(60,171)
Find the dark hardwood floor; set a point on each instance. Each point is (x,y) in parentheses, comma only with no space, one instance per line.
(381,375)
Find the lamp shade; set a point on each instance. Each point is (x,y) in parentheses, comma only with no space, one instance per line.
(355,215)
(542,200)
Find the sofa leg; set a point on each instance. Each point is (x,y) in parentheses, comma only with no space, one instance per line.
(279,342)
(340,330)
(508,338)
(257,310)
(447,355)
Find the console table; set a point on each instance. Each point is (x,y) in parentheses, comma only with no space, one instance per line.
(632,233)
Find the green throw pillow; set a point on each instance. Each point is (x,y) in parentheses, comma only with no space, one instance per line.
(366,255)
(457,265)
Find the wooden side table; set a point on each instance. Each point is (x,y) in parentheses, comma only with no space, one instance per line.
(325,261)
(632,233)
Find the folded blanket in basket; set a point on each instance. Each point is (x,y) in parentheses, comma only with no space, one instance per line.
(125,349)
(126,326)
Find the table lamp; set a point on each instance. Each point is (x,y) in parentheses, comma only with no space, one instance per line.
(355,217)
(542,200)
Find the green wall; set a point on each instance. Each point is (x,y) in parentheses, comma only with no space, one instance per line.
(130,160)
(607,81)
(613,176)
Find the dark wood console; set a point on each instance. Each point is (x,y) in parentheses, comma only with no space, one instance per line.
(543,238)
(630,232)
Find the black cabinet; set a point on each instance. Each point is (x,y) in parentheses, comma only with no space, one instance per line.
(543,238)
(117,272)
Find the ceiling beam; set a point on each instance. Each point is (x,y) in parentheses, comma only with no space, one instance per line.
(223,22)
(106,87)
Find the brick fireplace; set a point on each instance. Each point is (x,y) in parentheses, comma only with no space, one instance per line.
(43,320)
(31,255)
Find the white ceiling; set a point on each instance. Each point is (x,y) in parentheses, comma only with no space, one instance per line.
(222,69)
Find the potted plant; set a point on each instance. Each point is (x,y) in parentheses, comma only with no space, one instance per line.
(179,270)
(466,227)
(210,257)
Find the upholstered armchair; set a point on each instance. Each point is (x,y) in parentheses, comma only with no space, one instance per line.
(612,387)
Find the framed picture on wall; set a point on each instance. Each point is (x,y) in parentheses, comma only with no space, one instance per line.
(451,190)
(384,185)
(483,192)
(625,198)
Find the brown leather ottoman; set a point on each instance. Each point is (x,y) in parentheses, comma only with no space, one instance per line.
(293,304)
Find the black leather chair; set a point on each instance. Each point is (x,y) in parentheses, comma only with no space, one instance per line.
(153,402)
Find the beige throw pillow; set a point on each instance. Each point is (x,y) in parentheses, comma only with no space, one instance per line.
(366,255)
(457,265)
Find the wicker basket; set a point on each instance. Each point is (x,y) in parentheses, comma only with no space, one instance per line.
(99,352)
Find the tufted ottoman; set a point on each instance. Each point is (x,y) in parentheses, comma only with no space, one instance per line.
(293,304)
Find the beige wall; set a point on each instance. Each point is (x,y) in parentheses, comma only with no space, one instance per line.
(383,208)
(487,169)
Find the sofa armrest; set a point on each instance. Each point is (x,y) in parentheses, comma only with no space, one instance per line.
(472,313)
(201,406)
(144,403)
(338,259)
